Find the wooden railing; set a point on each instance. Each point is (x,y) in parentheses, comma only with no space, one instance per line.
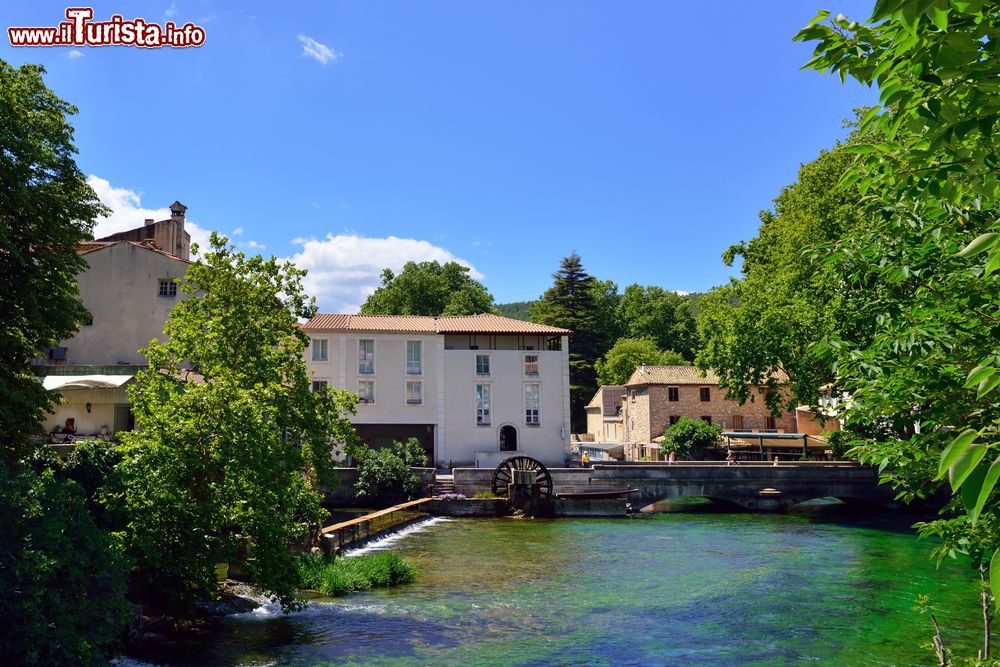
(339,535)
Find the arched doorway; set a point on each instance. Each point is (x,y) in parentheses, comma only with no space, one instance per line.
(508,438)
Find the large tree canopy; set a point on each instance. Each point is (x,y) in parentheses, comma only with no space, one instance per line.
(766,322)
(429,288)
(627,354)
(227,457)
(46,208)
(572,303)
(924,280)
(659,315)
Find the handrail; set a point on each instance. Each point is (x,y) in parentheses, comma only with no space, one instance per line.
(374,515)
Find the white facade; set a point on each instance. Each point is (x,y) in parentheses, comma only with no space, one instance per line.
(468,406)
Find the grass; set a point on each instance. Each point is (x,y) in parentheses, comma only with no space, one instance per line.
(342,576)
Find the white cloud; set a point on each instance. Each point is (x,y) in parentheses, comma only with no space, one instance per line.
(170,11)
(345,269)
(127,212)
(318,52)
(73,54)
(238,231)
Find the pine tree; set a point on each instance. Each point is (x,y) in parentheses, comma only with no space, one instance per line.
(571,303)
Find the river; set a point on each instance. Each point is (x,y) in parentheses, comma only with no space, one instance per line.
(667,589)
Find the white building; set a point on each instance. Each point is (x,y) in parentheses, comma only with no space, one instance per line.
(129,288)
(472,389)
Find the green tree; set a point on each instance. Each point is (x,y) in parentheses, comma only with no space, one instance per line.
(926,274)
(429,288)
(46,209)
(62,575)
(660,315)
(765,324)
(690,437)
(571,303)
(386,473)
(231,443)
(627,354)
(518,310)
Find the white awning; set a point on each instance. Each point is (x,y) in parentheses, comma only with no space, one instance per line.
(85,381)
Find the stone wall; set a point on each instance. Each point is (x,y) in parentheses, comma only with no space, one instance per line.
(648,415)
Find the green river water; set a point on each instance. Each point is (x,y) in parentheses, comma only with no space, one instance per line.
(667,589)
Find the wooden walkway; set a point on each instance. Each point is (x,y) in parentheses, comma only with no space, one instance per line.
(339,535)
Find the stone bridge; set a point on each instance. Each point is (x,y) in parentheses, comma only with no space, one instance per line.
(752,486)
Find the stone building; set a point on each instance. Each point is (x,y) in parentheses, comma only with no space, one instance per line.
(657,396)
(129,288)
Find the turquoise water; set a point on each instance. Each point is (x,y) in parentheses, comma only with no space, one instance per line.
(673,589)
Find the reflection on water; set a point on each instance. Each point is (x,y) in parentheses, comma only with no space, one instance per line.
(678,589)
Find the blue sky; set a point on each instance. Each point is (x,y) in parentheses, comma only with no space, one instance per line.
(351,136)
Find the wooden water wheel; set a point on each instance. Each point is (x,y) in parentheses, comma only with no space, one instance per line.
(504,473)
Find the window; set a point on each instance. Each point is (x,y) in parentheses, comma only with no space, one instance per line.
(705,393)
(482,365)
(531,364)
(413,361)
(366,356)
(366,391)
(532,403)
(706,418)
(769,424)
(482,404)
(674,419)
(737,422)
(414,393)
(57,354)
(320,386)
(168,287)
(321,348)
(673,394)
(631,395)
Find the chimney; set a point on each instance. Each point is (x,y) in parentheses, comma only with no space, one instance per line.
(177,211)
(150,221)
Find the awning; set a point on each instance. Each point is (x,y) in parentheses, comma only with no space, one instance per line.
(52,382)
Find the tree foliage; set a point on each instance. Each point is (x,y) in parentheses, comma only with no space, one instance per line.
(627,354)
(764,324)
(62,576)
(387,473)
(572,303)
(659,315)
(690,437)
(46,208)
(924,278)
(231,443)
(429,288)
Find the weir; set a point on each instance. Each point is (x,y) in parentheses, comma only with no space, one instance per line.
(336,537)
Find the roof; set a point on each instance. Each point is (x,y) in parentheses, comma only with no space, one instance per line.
(671,375)
(608,398)
(677,375)
(485,323)
(90,246)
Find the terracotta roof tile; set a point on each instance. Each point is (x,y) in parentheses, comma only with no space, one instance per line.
(472,324)
(678,375)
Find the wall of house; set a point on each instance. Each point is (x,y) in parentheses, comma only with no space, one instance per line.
(449,379)
(120,288)
(647,415)
(74,405)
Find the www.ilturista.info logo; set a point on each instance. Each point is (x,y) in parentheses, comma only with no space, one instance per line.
(80,30)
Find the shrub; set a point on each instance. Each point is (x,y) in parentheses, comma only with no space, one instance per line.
(342,576)
(62,578)
(690,437)
(387,472)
